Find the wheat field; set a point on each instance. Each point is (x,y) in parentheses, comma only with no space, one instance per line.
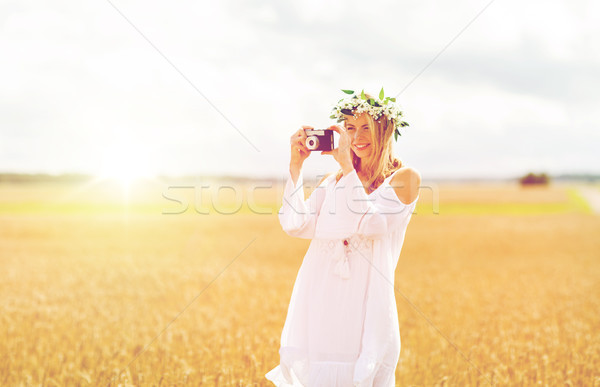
(496,285)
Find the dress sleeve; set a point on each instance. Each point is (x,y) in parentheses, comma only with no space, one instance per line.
(298,217)
(356,213)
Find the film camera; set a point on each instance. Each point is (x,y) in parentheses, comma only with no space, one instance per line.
(319,139)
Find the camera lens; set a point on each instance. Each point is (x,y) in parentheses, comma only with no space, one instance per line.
(312,142)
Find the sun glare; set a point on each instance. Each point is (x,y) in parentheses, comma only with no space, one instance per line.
(126,163)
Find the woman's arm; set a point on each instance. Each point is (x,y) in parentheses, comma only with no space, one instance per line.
(298,217)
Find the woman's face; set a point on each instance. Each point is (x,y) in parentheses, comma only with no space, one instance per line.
(361,135)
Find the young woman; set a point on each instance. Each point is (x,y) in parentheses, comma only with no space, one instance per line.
(342,325)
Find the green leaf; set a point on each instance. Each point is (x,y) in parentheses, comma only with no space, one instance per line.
(393,99)
(346,111)
(396,135)
(348,91)
(362,94)
(381,93)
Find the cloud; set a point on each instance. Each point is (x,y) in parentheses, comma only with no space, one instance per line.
(79,78)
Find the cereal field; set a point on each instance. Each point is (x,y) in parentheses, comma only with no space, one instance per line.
(496,285)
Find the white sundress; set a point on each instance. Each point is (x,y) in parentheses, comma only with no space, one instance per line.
(342,325)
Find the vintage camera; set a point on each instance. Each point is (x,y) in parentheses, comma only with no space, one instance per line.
(319,139)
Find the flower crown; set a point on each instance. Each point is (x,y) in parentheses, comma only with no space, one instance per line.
(375,107)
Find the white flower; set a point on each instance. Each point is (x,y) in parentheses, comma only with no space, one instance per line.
(358,106)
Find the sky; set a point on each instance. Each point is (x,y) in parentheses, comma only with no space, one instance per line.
(107,87)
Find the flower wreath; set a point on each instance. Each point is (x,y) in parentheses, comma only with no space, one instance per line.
(375,107)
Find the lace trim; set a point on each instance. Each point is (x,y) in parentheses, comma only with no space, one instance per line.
(341,250)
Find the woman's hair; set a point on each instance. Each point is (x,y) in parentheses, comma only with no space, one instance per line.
(382,162)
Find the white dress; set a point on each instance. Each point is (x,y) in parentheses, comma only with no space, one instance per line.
(342,325)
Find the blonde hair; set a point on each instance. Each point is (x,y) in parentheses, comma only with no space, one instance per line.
(382,162)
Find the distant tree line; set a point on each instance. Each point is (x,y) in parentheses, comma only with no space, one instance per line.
(533,179)
(43,177)
(10,177)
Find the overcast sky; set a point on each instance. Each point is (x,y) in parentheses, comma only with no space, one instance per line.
(219,87)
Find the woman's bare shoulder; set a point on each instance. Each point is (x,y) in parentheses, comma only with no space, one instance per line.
(406,182)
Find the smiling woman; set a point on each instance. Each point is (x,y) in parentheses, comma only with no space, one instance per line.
(341,327)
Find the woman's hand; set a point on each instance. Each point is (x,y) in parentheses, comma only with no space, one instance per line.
(298,146)
(343,153)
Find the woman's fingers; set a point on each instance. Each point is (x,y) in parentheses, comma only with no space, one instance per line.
(297,142)
(303,145)
(300,134)
(303,130)
(337,128)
